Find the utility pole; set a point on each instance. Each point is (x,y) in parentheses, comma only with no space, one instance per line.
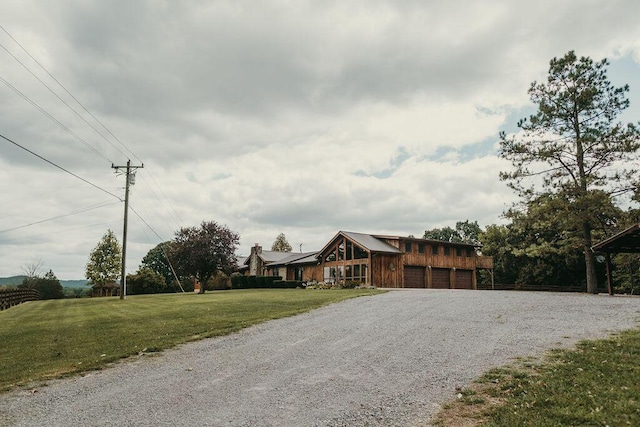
(130,180)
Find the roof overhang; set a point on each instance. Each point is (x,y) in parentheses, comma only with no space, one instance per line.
(627,241)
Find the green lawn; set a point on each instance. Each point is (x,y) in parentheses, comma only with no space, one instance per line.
(48,339)
(595,384)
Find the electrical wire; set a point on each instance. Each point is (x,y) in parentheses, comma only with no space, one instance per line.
(53,119)
(60,167)
(69,93)
(58,217)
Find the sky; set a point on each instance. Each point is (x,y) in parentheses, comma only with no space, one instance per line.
(295,117)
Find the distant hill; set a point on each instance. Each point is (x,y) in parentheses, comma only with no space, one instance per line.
(16,280)
(74,283)
(13,280)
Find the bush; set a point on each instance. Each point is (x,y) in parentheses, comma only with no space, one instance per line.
(238,281)
(252,282)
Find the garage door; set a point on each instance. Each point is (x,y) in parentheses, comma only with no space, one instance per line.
(440,278)
(414,277)
(464,279)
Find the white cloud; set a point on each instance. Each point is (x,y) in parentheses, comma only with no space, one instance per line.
(303,118)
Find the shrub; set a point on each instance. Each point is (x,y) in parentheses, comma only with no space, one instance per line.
(252,282)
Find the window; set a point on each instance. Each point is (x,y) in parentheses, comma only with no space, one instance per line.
(469,252)
(446,251)
(359,253)
(333,274)
(341,251)
(348,272)
(359,273)
(434,249)
(331,257)
(458,251)
(297,275)
(407,247)
(421,248)
(349,250)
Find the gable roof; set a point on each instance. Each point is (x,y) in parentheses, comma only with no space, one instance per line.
(269,257)
(367,241)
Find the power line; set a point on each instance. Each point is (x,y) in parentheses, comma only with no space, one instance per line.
(60,167)
(58,217)
(53,119)
(69,93)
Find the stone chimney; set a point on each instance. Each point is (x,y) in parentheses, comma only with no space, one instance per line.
(255,262)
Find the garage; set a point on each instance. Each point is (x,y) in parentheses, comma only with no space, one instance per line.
(440,278)
(414,277)
(464,279)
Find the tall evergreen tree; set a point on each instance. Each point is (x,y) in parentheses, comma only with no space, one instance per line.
(574,147)
(281,244)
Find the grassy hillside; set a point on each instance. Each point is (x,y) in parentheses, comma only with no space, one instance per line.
(47,339)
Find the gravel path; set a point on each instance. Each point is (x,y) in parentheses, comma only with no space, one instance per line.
(386,360)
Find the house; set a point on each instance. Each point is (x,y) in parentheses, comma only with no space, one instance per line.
(379,260)
(109,289)
(401,262)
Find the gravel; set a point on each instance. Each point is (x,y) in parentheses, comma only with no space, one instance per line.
(385,360)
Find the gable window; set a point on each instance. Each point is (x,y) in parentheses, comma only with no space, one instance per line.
(331,256)
(349,250)
(341,251)
(359,253)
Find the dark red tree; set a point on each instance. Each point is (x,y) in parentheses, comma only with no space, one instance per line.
(203,251)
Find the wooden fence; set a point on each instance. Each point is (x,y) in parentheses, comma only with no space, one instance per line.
(543,288)
(9,298)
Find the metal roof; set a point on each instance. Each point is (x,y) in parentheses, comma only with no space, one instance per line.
(371,243)
(296,258)
(627,241)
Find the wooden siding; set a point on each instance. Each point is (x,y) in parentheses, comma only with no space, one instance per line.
(386,271)
(440,260)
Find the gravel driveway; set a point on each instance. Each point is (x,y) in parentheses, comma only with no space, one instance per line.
(385,360)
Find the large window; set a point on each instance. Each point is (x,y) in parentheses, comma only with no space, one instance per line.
(333,274)
(356,273)
(341,251)
(349,250)
(359,253)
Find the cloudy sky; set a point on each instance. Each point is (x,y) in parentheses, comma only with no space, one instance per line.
(301,117)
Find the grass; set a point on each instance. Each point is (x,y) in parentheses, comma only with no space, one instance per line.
(595,384)
(49,339)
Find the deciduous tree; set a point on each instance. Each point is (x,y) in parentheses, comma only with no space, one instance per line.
(105,260)
(156,260)
(573,146)
(202,251)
